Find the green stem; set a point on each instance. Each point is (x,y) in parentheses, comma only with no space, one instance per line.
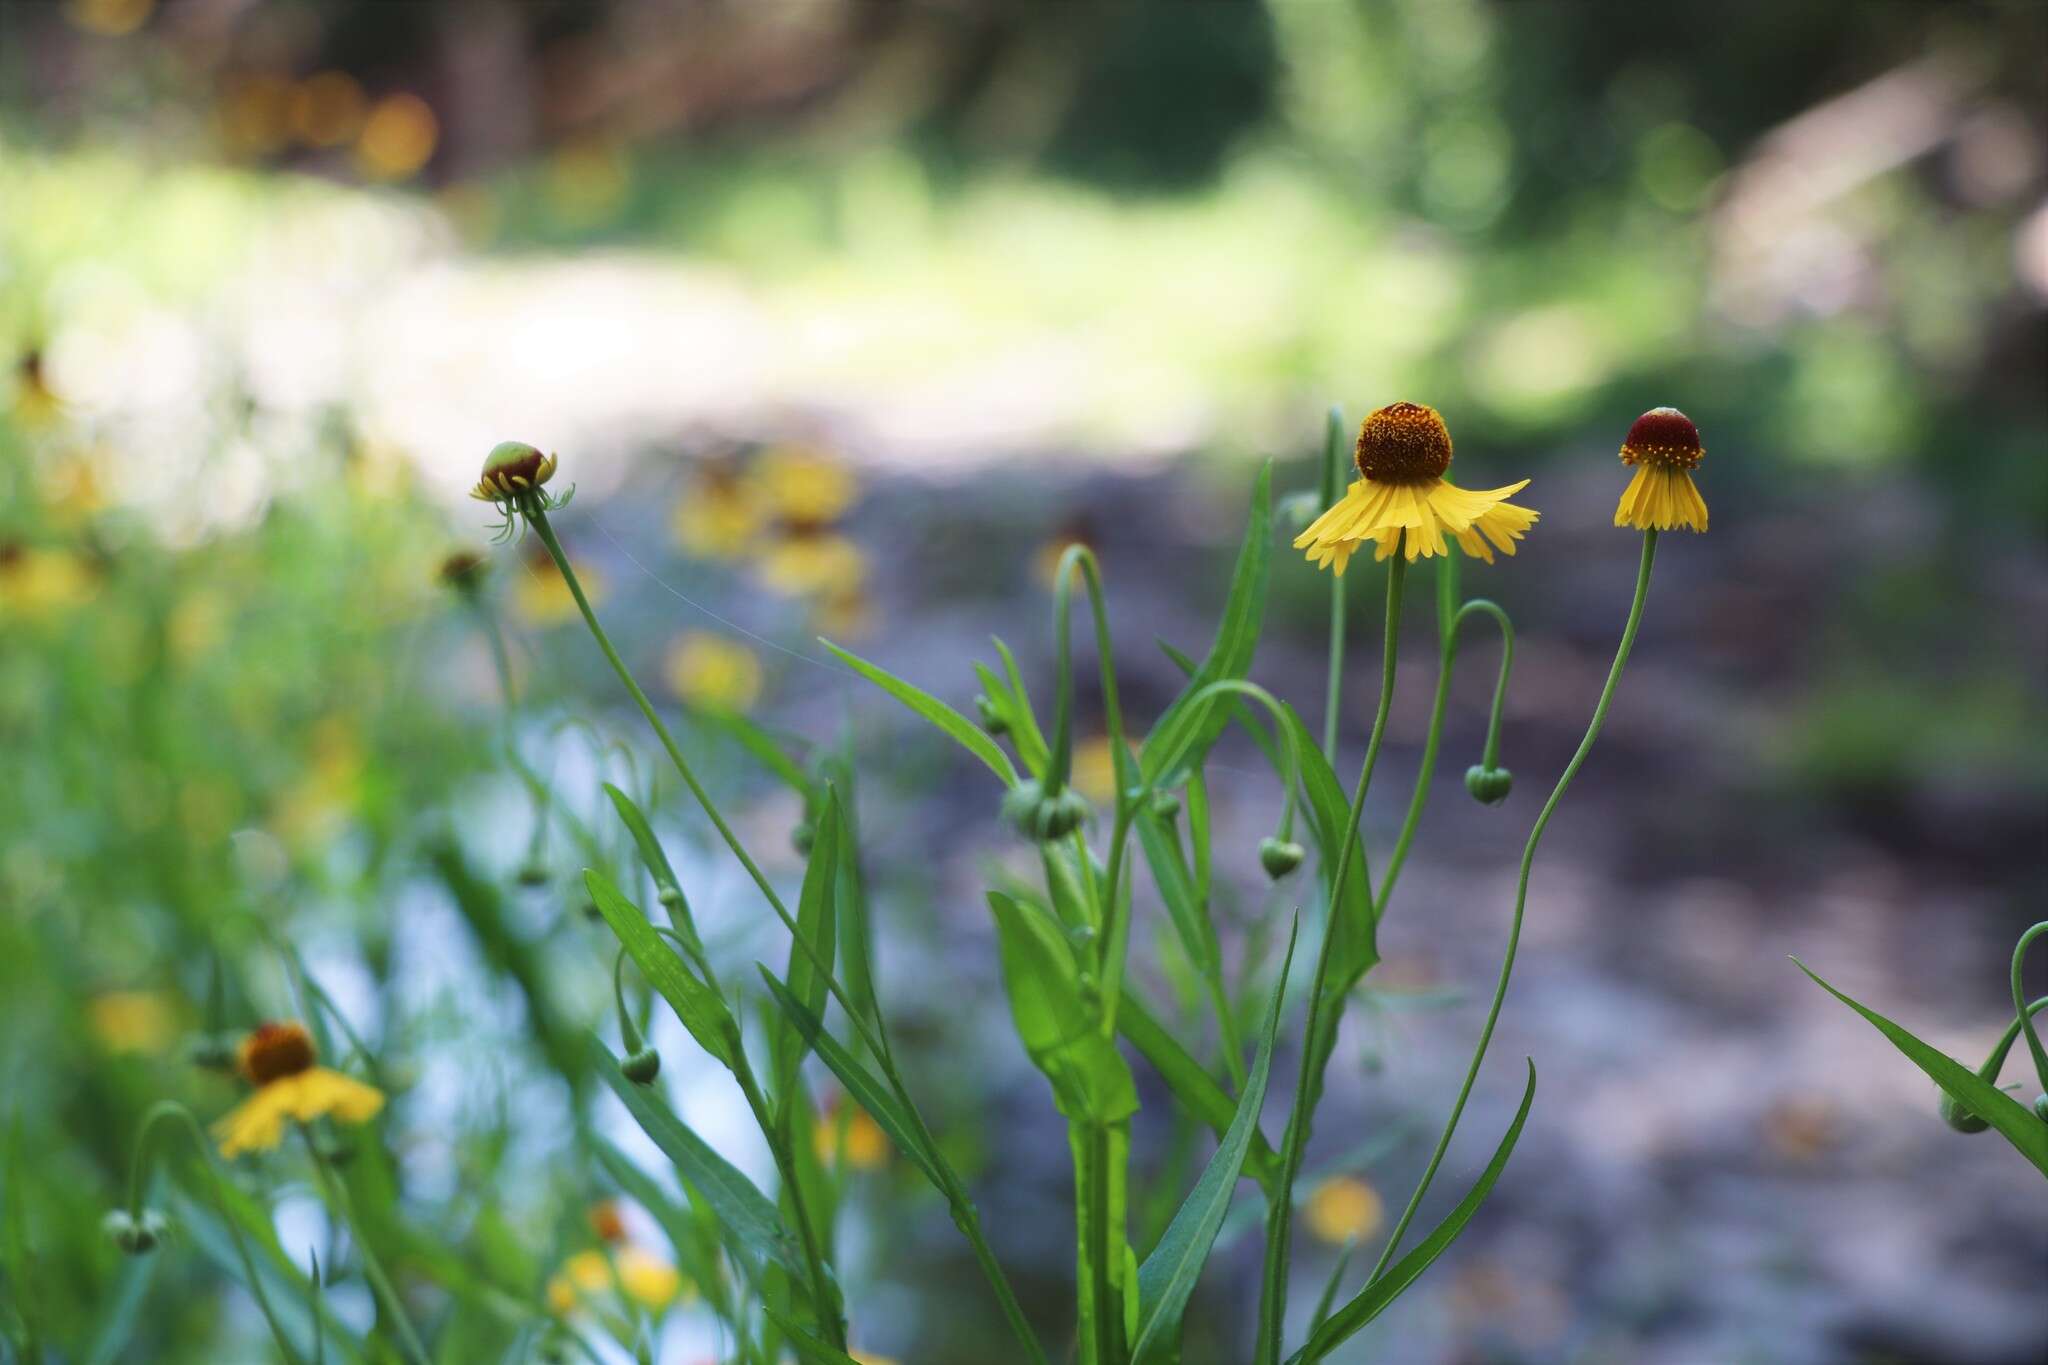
(2019,1002)
(829,1313)
(1507,966)
(1332,489)
(1098,1245)
(1325,1004)
(167,1110)
(373,1269)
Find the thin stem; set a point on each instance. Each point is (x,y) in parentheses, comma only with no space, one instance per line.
(2019,1002)
(373,1269)
(1332,488)
(1507,966)
(1324,1004)
(829,1315)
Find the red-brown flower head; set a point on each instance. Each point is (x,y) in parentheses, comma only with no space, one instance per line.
(1663,436)
(274,1051)
(1403,443)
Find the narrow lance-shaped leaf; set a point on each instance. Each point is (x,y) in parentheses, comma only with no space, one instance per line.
(2014,1121)
(962,730)
(1328,808)
(1374,1298)
(656,860)
(701,1009)
(1168,1276)
(807,975)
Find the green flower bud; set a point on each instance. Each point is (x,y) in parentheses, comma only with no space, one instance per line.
(642,1066)
(531,874)
(1166,805)
(512,468)
(801,837)
(1958,1117)
(1489,786)
(992,718)
(1044,818)
(671,898)
(135,1235)
(1280,856)
(2041,1108)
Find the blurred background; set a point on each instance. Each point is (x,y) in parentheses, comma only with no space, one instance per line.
(844,315)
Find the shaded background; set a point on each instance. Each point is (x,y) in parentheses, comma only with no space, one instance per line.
(840,315)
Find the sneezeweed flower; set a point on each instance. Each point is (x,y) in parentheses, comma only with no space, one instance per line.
(709,671)
(1402,455)
(1663,447)
(1095,770)
(542,596)
(513,475)
(37,583)
(133,1021)
(848,1130)
(607,1223)
(1344,1209)
(803,487)
(720,515)
(279,1060)
(639,1275)
(464,571)
(809,563)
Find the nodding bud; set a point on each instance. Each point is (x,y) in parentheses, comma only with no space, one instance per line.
(1043,817)
(671,898)
(2041,1108)
(1280,856)
(532,874)
(137,1235)
(992,718)
(802,837)
(512,468)
(464,571)
(1166,805)
(1489,786)
(1960,1118)
(642,1066)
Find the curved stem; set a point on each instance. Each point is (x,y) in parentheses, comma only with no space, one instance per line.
(2019,1002)
(1507,966)
(159,1113)
(373,1269)
(629,1032)
(1427,772)
(1325,1004)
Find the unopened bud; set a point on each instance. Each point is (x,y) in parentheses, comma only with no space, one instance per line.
(1044,818)
(1280,856)
(135,1234)
(642,1067)
(1166,805)
(1489,786)
(992,718)
(1958,1117)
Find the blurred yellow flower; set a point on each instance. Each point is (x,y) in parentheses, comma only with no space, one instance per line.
(1344,1209)
(708,670)
(542,596)
(1402,498)
(1045,561)
(1663,446)
(133,1021)
(327,109)
(277,1058)
(109,18)
(607,1223)
(398,138)
(642,1276)
(586,182)
(37,582)
(805,487)
(329,788)
(812,562)
(718,518)
(35,403)
(851,1131)
(868,1358)
(1094,774)
(255,114)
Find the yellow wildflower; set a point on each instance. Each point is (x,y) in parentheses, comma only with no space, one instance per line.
(278,1059)
(720,515)
(809,563)
(852,1133)
(708,670)
(1403,453)
(1344,1209)
(133,1021)
(37,583)
(641,1276)
(397,137)
(803,486)
(542,595)
(1664,448)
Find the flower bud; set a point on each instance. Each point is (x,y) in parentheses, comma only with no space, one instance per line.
(1958,1117)
(464,571)
(671,898)
(992,718)
(1043,817)
(1166,805)
(531,874)
(802,836)
(1280,856)
(1489,786)
(2041,1108)
(137,1235)
(642,1066)
(512,468)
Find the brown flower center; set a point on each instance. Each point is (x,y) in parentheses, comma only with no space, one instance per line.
(1663,436)
(1403,443)
(274,1051)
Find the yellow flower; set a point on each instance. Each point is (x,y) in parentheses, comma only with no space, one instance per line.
(860,1138)
(1664,448)
(1403,453)
(278,1060)
(1344,1209)
(711,671)
(641,1276)
(804,486)
(133,1021)
(720,515)
(812,563)
(1095,770)
(397,137)
(37,583)
(542,595)
(868,1358)
(843,615)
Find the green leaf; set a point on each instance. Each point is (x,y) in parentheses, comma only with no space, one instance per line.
(1168,1276)
(1374,1298)
(808,1348)
(1237,638)
(695,1256)
(656,861)
(740,1208)
(1091,1082)
(702,1010)
(1188,1079)
(808,976)
(1024,728)
(1328,807)
(766,749)
(1189,913)
(2014,1121)
(964,732)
